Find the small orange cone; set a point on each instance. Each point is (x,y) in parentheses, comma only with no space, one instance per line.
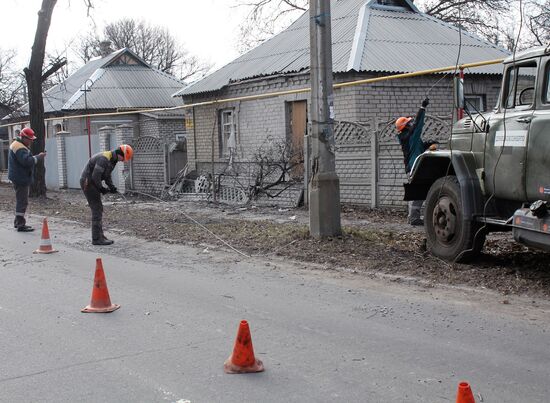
(45,243)
(242,360)
(464,394)
(101,302)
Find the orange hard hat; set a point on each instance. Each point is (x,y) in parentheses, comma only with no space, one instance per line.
(27,133)
(127,151)
(401,122)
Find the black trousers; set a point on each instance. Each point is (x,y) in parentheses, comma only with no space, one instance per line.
(21,203)
(93,196)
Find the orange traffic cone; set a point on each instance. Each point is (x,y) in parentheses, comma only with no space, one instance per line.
(464,394)
(242,360)
(45,243)
(101,302)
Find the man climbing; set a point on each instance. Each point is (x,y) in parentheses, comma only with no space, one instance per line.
(412,145)
(97,170)
(21,164)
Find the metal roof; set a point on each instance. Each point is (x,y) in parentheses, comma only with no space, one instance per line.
(112,86)
(367,36)
(126,86)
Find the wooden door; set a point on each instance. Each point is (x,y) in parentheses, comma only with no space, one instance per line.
(298,129)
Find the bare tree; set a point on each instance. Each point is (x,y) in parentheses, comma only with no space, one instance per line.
(273,168)
(35,78)
(11,81)
(87,46)
(538,22)
(154,44)
(266,18)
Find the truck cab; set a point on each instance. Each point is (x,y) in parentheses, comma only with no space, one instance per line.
(495,175)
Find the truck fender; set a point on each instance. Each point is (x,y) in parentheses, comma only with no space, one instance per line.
(431,166)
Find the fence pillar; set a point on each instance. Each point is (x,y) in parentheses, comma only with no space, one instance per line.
(125,135)
(62,159)
(105,137)
(374,165)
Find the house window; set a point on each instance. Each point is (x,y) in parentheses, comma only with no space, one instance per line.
(474,103)
(228,131)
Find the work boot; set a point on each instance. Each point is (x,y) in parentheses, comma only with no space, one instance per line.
(25,228)
(97,234)
(102,241)
(417,222)
(18,221)
(102,236)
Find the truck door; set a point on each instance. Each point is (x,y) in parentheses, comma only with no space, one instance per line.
(538,149)
(506,146)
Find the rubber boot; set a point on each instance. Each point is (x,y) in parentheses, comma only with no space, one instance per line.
(97,231)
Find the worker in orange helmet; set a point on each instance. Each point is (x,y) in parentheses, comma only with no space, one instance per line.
(409,134)
(98,170)
(21,165)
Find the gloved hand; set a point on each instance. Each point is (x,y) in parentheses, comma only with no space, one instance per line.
(113,189)
(426,102)
(103,190)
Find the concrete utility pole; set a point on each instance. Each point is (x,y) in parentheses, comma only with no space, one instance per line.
(324,190)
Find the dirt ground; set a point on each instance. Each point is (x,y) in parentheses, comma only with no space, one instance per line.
(374,243)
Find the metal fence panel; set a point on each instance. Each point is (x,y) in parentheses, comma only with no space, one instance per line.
(51,162)
(76,150)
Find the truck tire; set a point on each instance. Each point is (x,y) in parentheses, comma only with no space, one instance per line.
(449,235)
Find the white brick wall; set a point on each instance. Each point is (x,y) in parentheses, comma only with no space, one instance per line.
(259,120)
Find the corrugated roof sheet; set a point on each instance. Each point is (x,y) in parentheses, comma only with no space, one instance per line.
(112,87)
(57,96)
(397,39)
(127,86)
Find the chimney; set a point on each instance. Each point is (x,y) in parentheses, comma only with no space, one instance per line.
(105,48)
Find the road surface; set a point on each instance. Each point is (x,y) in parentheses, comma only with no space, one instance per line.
(324,336)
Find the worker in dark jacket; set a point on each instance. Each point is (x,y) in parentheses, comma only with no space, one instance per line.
(21,164)
(412,145)
(98,170)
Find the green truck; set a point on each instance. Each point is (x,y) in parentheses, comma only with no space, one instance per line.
(495,174)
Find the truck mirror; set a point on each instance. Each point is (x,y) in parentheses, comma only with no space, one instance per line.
(459,92)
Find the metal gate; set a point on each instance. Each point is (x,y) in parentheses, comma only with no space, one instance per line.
(149,165)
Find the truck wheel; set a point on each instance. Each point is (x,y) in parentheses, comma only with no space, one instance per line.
(449,235)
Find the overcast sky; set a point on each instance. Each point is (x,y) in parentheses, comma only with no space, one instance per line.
(207,28)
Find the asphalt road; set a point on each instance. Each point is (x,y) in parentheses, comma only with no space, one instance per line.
(323,336)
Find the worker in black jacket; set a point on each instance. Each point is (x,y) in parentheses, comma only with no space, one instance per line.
(410,138)
(98,170)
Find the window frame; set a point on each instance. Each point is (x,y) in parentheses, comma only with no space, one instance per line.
(223,134)
(546,84)
(512,74)
(483,102)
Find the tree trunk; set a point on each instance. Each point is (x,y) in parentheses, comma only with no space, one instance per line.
(33,75)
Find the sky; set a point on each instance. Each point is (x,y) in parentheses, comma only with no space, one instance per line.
(206,28)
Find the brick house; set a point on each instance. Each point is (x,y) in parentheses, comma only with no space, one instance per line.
(116,82)
(370,39)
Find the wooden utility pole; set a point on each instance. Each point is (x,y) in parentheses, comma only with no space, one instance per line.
(324,188)
(34,77)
